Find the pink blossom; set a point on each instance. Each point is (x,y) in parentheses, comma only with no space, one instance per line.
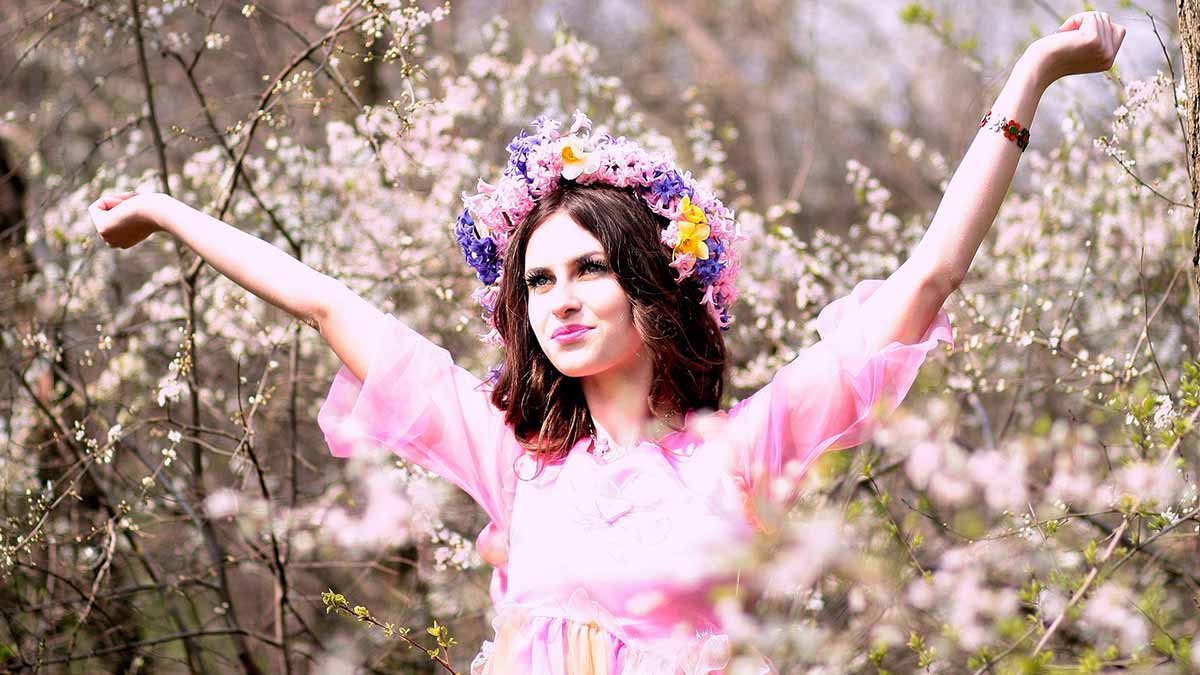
(385,522)
(1001,476)
(923,461)
(1144,482)
(949,489)
(1070,485)
(684,265)
(221,503)
(1112,610)
(811,546)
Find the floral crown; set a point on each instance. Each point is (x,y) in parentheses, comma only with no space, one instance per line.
(701,233)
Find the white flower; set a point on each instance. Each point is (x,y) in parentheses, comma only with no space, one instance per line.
(215,40)
(169,390)
(580,123)
(576,159)
(1164,414)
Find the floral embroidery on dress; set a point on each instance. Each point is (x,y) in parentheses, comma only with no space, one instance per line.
(626,510)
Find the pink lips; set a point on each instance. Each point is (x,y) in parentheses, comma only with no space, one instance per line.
(569,333)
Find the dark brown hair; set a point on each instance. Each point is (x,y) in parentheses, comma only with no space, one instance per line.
(545,408)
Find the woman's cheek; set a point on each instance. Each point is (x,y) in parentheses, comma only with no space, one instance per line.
(535,317)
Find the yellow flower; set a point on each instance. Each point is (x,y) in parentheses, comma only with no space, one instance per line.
(693,230)
(692,213)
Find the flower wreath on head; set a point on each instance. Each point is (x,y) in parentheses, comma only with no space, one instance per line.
(701,233)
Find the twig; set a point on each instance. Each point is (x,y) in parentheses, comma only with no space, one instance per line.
(1116,537)
(106,502)
(1174,86)
(108,556)
(277,566)
(260,109)
(1148,186)
(165,638)
(895,526)
(1150,318)
(1146,329)
(151,113)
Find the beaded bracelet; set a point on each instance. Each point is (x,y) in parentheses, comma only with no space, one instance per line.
(1011,129)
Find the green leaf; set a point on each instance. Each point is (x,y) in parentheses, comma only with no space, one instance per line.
(1089,552)
(916,13)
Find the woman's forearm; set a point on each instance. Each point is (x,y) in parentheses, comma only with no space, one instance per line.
(250,262)
(904,305)
(981,181)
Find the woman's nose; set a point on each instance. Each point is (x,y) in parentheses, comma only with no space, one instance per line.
(565,300)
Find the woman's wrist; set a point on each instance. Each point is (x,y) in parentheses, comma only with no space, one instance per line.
(155,207)
(1032,69)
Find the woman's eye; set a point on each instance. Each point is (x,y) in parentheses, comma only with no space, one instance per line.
(534,281)
(594,266)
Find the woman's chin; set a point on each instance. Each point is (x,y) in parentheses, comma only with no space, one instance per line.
(575,369)
(576,365)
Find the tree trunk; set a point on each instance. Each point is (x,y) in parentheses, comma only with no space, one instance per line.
(1189,36)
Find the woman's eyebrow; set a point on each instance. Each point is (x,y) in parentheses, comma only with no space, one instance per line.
(576,261)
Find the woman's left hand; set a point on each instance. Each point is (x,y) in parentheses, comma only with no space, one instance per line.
(1085,43)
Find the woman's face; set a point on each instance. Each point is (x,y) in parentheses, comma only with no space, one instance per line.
(582,318)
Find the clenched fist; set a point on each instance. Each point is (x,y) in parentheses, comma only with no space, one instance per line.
(1086,43)
(122,219)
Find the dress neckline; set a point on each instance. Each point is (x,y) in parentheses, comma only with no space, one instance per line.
(614,454)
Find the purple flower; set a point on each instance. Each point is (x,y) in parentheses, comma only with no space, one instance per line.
(668,185)
(709,269)
(480,253)
(493,375)
(518,155)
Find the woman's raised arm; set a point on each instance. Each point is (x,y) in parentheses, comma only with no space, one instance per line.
(125,219)
(902,307)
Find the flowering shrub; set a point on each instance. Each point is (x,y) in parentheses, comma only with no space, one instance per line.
(1033,503)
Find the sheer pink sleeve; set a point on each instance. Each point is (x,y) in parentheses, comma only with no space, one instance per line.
(830,397)
(417,403)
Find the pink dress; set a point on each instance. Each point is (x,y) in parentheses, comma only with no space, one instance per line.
(603,565)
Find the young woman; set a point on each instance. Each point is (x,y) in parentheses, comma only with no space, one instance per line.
(608,275)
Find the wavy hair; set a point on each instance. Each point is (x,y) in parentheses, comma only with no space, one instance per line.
(547,409)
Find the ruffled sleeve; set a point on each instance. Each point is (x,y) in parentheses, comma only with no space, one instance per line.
(420,405)
(832,396)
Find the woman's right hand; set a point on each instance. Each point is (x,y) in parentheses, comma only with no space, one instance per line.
(123,219)
(1087,42)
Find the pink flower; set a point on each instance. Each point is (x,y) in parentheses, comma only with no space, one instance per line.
(812,545)
(923,461)
(1001,476)
(1111,610)
(684,265)
(385,522)
(221,503)
(1070,485)
(1144,482)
